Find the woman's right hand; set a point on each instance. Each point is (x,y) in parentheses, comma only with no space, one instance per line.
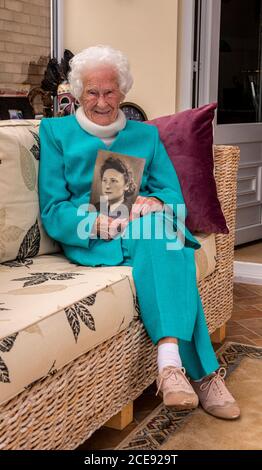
(108,228)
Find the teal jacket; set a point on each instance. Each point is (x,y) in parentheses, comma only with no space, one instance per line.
(67,159)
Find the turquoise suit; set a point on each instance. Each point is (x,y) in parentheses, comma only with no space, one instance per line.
(165,279)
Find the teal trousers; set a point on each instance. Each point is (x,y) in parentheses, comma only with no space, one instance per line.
(167,291)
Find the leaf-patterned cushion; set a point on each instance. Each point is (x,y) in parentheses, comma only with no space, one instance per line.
(52,311)
(21,233)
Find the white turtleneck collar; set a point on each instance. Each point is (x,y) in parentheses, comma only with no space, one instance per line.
(106,133)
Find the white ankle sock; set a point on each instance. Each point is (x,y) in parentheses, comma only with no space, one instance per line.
(168,355)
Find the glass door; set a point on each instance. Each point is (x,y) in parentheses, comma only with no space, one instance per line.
(240,57)
(229,63)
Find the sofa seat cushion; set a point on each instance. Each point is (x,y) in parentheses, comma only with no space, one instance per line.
(52,311)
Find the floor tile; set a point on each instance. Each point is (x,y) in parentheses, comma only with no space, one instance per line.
(259,307)
(247,310)
(253,324)
(246,313)
(234,328)
(251,252)
(240,339)
(242,290)
(257,342)
(255,289)
(253,300)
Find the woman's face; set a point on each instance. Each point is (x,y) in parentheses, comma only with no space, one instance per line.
(101,95)
(113,185)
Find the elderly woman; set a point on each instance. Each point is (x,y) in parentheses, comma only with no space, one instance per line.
(165,279)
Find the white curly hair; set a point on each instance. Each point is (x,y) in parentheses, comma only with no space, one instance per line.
(94,56)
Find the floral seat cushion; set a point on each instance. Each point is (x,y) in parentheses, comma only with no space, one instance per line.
(52,311)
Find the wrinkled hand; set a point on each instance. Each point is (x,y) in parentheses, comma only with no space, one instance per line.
(145,205)
(108,228)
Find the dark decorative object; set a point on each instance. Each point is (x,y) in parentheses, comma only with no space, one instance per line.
(46,99)
(56,76)
(53,77)
(64,66)
(56,83)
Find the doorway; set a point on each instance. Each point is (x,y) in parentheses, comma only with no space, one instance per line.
(227,68)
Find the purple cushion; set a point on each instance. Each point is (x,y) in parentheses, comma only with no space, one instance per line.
(188,139)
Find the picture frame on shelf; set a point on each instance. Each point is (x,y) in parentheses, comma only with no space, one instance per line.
(14,106)
(15,114)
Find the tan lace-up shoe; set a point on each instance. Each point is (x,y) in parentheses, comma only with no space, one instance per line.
(176,389)
(215,397)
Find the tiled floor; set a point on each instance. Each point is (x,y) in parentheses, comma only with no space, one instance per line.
(245,326)
(251,252)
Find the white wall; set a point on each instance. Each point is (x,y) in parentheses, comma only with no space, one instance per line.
(146,30)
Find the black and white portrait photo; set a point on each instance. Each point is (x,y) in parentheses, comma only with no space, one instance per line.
(116,183)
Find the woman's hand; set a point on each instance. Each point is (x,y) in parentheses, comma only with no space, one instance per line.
(145,205)
(108,228)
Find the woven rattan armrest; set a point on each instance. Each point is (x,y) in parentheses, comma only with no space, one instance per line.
(217,289)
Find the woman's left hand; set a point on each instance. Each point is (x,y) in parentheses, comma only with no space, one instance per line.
(145,205)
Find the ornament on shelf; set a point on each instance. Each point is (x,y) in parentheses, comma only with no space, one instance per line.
(66,101)
(56,82)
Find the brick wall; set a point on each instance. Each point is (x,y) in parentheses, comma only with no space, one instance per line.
(24,42)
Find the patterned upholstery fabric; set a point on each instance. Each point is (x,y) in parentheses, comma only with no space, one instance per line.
(52,311)
(21,232)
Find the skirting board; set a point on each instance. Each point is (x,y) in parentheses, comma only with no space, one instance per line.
(248,273)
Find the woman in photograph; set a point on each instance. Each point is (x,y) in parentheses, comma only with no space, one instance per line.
(165,280)
(118,186)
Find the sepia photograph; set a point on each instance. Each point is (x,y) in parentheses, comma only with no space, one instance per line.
(116,183)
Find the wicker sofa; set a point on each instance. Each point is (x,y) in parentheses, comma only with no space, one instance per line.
(58,404)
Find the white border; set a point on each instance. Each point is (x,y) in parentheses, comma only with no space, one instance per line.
(209,51)
(186,12)
(247,273)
